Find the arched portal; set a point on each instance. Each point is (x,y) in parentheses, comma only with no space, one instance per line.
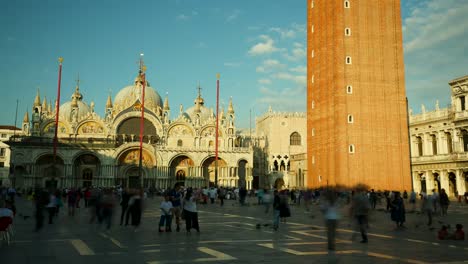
(86,167)
(423,183)
(180,168)
(437,185)
(18,174)
(452,190)
(50,171)
(209,170)
(242,172)
(129,131)
(129,168)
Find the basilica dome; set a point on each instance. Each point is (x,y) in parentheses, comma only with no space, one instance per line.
(199,111)
(129,95)
(76,102)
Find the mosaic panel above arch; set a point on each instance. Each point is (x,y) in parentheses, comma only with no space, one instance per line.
(180,130)
(210,132)
(91,127)
(131,157)
(50,128)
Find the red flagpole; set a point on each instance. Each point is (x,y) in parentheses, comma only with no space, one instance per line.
(142,120)
(217,128)
(57,107)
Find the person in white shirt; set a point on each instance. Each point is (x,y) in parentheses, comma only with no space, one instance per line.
(329,207)
(4,211)
(212,193)
(166,214)
(190,211)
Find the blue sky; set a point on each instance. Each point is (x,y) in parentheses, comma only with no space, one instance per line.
(257,46)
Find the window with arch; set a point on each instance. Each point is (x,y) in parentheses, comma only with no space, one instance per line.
(313,104)
(351,148)
(312,28)
(348,60)
(313,132)
(210,143)
(295,139)
(347,4)
(312,53)
(311,3)
(465,140)
(420,146)
(449,142)
(312,79)
(462,103)
(349,89)
(347,32)
(350,119)
(179,143)
(434,144)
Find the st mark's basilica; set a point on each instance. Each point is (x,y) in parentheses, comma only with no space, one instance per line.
(98,150)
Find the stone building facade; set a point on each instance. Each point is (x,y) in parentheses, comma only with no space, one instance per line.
(6,132)
(439,144)
(278,137)
(104,151)
(356,100)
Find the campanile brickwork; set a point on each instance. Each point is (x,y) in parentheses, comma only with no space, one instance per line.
(356,100)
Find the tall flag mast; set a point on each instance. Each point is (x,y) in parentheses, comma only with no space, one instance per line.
(142,120)
(57,107)
(217,129)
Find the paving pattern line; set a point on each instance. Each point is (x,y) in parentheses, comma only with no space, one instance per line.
(218,256)
(113,240)
(81,247)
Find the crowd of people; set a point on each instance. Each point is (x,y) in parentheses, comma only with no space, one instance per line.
(180,204)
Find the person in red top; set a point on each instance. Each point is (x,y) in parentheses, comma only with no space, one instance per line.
(87,195)
(459,233)
(443,233)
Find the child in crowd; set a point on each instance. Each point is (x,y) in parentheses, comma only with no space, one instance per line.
(166,212)
(459,233)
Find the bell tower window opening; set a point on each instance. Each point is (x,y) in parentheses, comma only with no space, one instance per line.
(347,4)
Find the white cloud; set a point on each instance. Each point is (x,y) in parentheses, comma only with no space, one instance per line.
(232,64)
(265,47)
(283,99)
(182,17)
(264,81)
(284,33)
(298,79)
(234,15)
(299,69)
(298,53)
(270,65)
(434,23)
(185,17)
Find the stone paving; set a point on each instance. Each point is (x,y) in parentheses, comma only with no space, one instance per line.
(229,235)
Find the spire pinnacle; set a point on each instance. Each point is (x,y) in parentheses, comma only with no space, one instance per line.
(166,103)
(109,101)
(37,100)
(26,117)
(230,107)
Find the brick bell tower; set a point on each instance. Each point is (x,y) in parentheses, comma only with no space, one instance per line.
(356,101)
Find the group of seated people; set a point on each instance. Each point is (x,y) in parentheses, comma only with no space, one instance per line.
(444,234)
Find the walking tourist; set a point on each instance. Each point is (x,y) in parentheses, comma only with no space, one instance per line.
(276,210)
(166,211)
(176,199)
(398,210)
(190,211)
(329,207)
(360,210)
(444,202)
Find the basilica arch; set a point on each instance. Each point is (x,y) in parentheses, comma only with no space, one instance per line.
(128,167)
(49,172)
(180,168)
(242,172)
(208,168)
(86,168)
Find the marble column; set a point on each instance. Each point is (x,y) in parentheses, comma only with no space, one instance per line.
(460,182)
(429,181)
(444,182)
(416,182)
